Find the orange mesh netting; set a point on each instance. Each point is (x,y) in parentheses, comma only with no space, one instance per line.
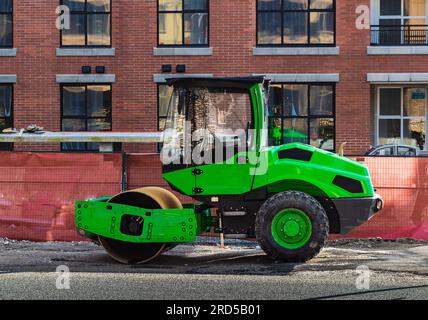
(38,190)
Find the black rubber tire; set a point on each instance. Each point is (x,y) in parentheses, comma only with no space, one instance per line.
(294,200)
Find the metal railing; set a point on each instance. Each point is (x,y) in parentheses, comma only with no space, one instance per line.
(399,35)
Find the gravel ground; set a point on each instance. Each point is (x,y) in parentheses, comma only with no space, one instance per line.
(395,269)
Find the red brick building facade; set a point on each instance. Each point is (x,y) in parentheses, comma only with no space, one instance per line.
(356,64)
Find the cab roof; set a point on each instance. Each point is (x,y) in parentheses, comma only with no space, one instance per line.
(235,82)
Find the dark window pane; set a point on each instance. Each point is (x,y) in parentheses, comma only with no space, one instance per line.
(321,4)
(196,28)
(6,6)
(322,27)
(75,36)
(390,7)
(99,101)
(170,5)
(275,132)
(389,131)
(6,113)
(269,28)
(269,4)
(295,100)
(390,31)
(275,100)
(170,29)
(6,30)
(99,125)
(73,146)
(390,102)
(295,4)
(98,6)
(295,28)
(195,5)
(322,101)
(322,133)
(5,101)
(75,5)
(73,101)
(99,29)
(73,125)
(295,130)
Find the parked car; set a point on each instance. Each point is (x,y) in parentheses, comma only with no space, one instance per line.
(394,150)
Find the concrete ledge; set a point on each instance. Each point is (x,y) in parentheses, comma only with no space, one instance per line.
(85,52)
(161,78)
(296,51)
(85,78)
(8,78)
(302,77)
(7,52)
(182,51)
(103,137)
(397,77)
(397,50)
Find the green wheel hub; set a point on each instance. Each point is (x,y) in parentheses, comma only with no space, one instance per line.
(291,228)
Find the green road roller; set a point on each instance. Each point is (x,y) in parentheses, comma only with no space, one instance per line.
(220,148)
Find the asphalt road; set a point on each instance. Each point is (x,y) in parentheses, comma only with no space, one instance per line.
(344,270)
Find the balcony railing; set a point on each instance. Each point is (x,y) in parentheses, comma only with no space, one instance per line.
(399,35)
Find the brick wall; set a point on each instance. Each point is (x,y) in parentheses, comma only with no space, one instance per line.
(232,35)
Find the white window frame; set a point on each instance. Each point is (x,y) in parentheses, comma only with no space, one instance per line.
(375,13)
(376,17)
(401,117)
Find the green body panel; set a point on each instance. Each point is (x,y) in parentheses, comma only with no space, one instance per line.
(314,177)
(235,176)
(159,226)
(183,180)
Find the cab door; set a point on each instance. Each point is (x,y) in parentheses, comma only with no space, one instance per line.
(230,125)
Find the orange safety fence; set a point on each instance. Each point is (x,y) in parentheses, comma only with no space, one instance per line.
(38,190)
(403,184)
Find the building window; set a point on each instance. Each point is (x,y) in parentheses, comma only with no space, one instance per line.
(296,22)
(90,24)
(6,23)
(85,108)
(302,113)
(401,115)
(183,23)
(6,112)
(399,22)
